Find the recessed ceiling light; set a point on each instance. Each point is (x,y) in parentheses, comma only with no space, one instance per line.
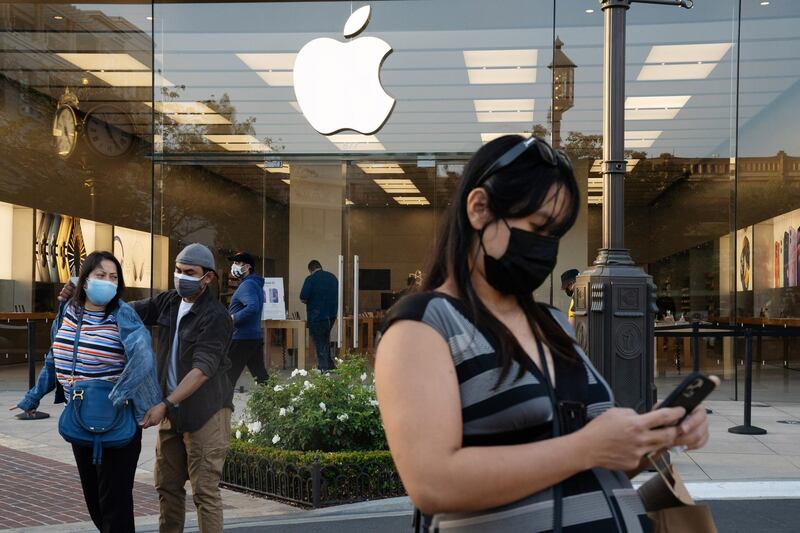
(764,3)
(680,71)
(500,58)
(655,102)
(397,186)
(411,200)
(189,112)
(58,17)
(281,78)
(590,10)
(380,168)
(687,53)
(148,17)
(504,110)
(486,76)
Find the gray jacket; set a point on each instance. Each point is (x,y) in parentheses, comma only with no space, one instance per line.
(203,341)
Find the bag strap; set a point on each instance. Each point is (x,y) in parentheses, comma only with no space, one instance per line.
(558,493)
(606,479)
(75,345)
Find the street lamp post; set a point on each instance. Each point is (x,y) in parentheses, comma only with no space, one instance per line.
(615,299)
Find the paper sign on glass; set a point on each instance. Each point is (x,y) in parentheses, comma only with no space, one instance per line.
(274,306)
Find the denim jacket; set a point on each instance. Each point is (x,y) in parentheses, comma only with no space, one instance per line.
(138,381)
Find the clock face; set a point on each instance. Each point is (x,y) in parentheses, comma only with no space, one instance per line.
(106,131)
(65,131)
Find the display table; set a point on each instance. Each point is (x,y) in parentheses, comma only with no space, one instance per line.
(290,326)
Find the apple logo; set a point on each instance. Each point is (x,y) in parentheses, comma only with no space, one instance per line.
(337,84)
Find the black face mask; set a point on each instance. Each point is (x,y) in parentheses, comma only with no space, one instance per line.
(526,264)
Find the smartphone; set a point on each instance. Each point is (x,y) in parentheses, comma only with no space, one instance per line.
(689,394)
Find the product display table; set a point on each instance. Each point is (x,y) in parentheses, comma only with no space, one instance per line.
(290,325)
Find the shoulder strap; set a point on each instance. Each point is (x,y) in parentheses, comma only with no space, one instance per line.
(558,493)
(75,344)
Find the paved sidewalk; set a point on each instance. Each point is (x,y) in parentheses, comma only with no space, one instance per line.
(34,458)
(40,490)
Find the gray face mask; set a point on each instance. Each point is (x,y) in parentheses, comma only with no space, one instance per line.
(188,286)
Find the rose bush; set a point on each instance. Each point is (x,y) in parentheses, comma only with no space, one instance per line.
(313,411)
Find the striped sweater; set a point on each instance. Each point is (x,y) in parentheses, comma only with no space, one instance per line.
(101,354)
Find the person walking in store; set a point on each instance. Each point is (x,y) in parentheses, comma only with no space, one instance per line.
(320,293)
(496,419)
(247,347)
(568,279)
(97,336)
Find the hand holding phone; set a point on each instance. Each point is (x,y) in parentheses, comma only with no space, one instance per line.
(689,394)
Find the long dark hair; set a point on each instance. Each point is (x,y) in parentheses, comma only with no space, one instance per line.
(91,262)
(516,191)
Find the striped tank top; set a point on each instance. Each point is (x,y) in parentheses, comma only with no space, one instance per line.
(518,410)
(101,354)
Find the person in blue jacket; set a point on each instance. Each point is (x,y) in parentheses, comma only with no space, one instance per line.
(113,345)
(247,347)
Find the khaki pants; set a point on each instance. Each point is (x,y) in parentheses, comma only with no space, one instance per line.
(199,457)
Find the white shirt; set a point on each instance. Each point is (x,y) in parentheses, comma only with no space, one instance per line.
(172,375)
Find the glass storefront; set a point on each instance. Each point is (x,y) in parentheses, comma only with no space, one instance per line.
(140,127)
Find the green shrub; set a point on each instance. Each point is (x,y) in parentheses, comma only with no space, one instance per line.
(313,411)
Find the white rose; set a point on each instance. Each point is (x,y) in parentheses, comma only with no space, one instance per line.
(302,372)
(352,397)
(342,417)
(254,427)
(295,372)
(276,439)
(282,412)
(278,388)
(290,409)
(373,403)
(364,376)
(323,406)
(308,385)
(238,434)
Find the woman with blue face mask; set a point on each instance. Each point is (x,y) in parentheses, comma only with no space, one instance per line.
(97,336)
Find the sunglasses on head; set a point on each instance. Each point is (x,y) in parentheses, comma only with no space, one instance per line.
(545,152)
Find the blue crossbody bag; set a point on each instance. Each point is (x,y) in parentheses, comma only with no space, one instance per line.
(90,419)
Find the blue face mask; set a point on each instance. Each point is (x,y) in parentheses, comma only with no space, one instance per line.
(100,291)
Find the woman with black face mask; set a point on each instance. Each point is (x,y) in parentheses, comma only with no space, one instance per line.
(496,419)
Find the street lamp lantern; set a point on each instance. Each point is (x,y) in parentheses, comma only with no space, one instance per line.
(563,88)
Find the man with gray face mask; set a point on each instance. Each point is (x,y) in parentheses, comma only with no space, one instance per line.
(194,334)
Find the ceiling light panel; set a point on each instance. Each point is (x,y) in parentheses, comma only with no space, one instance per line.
(246,147)
(397,186)
(189,112)
(655,102)
(220,139)
(685,71)
(651,114)
(687,53)
(504,110)
(132,79)
(271,61)
(500,58)
(486,67)
(278,79)
(411,200)
(496,76)
(380,168)
(92,61)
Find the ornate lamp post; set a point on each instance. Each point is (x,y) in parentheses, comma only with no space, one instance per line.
(615,299)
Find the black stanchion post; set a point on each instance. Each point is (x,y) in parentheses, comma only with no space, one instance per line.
(748,428)
(34,415)
(696,346)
